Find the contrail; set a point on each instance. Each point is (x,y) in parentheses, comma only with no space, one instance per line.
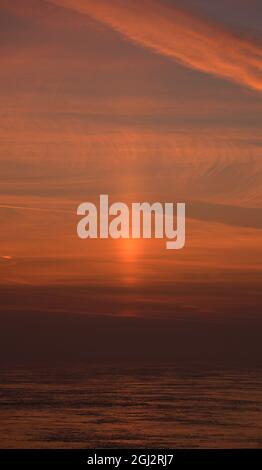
(175,33)
(36,209)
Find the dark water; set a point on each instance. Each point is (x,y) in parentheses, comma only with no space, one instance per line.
(130,407)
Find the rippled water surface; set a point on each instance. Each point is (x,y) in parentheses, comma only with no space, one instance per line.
(112,407)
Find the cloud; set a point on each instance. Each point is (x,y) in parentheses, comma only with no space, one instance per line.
(36,209)
(172,32)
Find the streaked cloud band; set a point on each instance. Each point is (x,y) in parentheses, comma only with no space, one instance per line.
(172,32)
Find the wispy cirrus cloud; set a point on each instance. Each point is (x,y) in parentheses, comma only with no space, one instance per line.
(175,33)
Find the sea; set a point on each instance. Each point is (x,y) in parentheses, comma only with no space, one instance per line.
(124,406)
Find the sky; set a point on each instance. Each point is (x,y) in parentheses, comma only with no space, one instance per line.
(149,100)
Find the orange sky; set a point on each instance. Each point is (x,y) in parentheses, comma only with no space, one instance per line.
(146,102)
